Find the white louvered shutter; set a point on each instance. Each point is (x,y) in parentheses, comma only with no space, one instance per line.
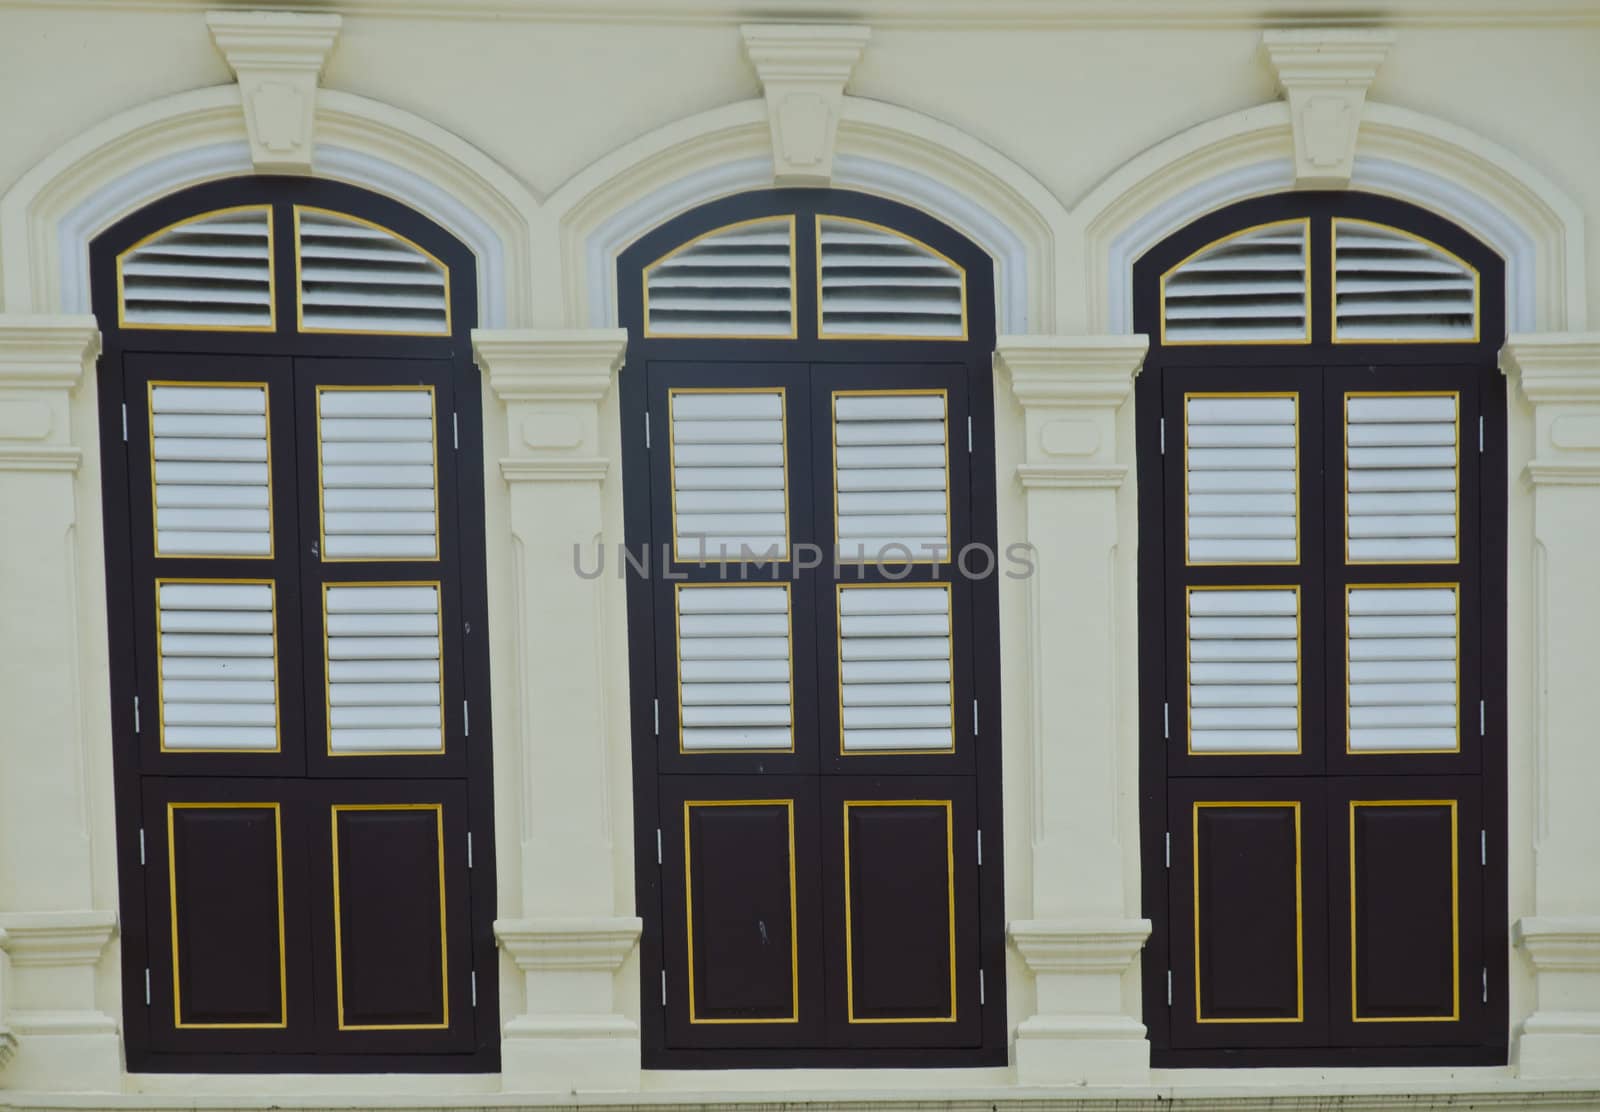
(729,492)
(1392,286)
(1241,479)
(384,669)
(892,476)
(878,283)
(737,281)
(1403,665)
(1402,475)
(379,483)
(218,667)
(1247,288)
(211,272)
(1244,670)
(734,667)
(213,487)
(358,277)
(895,668)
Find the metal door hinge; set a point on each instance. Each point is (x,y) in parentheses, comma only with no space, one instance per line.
(124,422)
(1168,837)
(455,430)
(141,846)
(663,988)
(647,444)
(1166,721)
(1483,848)
(1169,988)
(474,988)
(974,718)
(136,727)
(1163,436)
(969,435)
(980,849)
(656,711)
(469,849)
(982,995)
(466,719)
(1483,718)
(658,845)
(1480,434)
(1486,984)
(147,986)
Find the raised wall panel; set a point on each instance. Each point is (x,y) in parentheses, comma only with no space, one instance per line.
(730,498)
(225,885)
(213,271)
(900,911)
(735,667)
(1403,659)
(1250,287)
(735,281)
(741,928)
(213,492)
(355,276)
(895,679)
(1244,670)
(218,665)
(384,668)
(1403,476)
(390,928)
(377,465)
(1249,961)
(1392,286)
(892,476)
(875,283)
(1241,479)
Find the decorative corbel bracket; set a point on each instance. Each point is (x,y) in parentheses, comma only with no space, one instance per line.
(803,68)
(1325,74)
(278,59)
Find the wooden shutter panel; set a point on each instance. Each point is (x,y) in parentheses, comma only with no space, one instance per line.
(735,667)
(377,450)
(729,466)
(212,453)
(385,668)
(1241,477)
(218,665)
(1244,670)
(891,453)
(1403,477)
(895,668)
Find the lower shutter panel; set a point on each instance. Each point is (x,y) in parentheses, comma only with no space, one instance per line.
(1241,479)
(895,668)
(218,665)
(734,667)
(1403,665)
(891,480)
(1244,670)
(213,493)
(384,669)
(729,493)
(379,492)
(1402,455)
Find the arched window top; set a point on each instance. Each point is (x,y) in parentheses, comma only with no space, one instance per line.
(213,270)
(357,276)
(877,283)
(1393,286)
(1249,287)
(735,281)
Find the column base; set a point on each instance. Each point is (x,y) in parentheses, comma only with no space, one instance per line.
(1562,1038)
(80,1063)
(566,1053)
(1557,1044)
(1076,1050)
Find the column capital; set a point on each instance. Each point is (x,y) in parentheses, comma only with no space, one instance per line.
(46,352)
(1552,367)
(803,68)
(527,365)
(1324,73)
(277,58)
(1070,371)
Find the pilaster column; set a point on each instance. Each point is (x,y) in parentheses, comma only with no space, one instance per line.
(569,942)
(52,934)
(1083,745)
(1559,374)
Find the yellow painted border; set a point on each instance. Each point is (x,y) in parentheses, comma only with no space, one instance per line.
(1455,910)
(672,469)
(327,670)
(1348,589)
(841,588)
(961,273)
(794,311)
(677,642)
(833,436)
(155,528)
(1299,908)
(299,282)
(322,513)
(1234,395)
(688,907)
(950,886)
(1333,284)
(272,282)
(172,892)
(1348,394)
(1305,250)
(338,930)
(161,698)
(1299,673)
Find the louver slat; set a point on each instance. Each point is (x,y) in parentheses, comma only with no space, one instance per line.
(379,487)
(891,476)
(1403,664)
(213,272)
(1241,479)
(358,277)
(1247,288)
(1389,286)
(219,684)
(734,668)
(895,669)
(736,281)
(729,493)
(880,284)
(1401,478)
(1244,670)
(384,669)
(211,458)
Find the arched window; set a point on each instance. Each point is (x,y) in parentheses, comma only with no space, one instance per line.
(1321,432)
(294,538)
(807,420)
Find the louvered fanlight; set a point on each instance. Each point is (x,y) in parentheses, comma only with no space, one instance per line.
(1390,286)
(213,272)
(876,283)
(736,281)
(358,277)
(1246,288)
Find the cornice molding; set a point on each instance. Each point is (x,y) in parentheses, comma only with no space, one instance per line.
(46,352)
(803,68)
(1060,371)
(566,470)
(1561,943)
(278,59)
(527,365)
(56,938)
(1078,945)
(1553,367)
(1324,74)
(1071,476)
(597,945)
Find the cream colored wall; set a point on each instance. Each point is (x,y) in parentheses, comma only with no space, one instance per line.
(1050,115)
